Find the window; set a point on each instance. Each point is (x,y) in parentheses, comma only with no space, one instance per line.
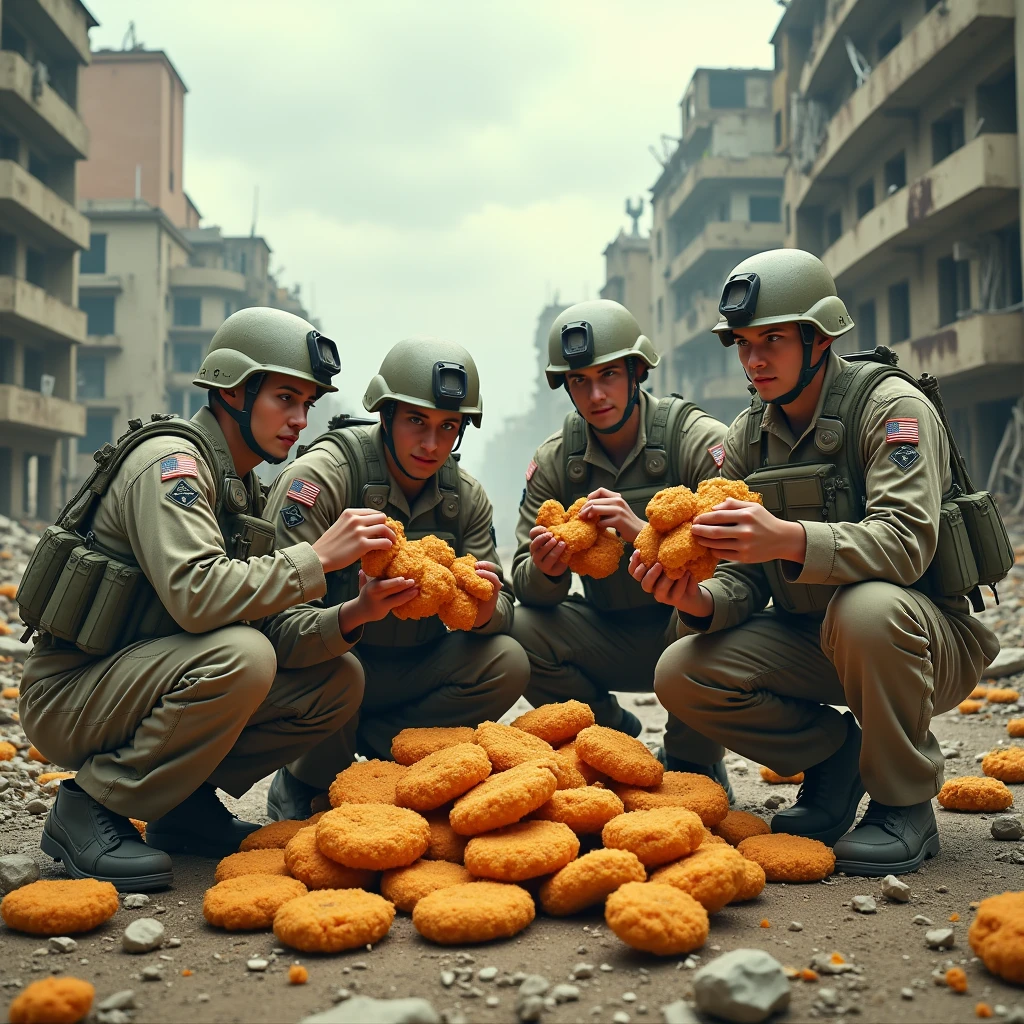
(866,198)
(997,105)
(35,267)
(954,278)
(727,89)
(10,148)
(833,227)
(888,41)
(899,312)
(38,168)
(99,311)
(12,39)
(99,430)
(894,174)
(661,312)
(35,367)
(8,254)
(241,263)
(867,328)
(657,244)
(765,209)
(778,128)
(94,259)
(723,211)
(92,375)
(6,360)
(947,134)
(186,356)
(187,312)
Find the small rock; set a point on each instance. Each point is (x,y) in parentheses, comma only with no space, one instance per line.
(1008,827)
(774,802)
(829,996)
(257,964)
(16,870)
(795,926)
(447,978)
(151,973)
(1007,662)
(112,1017)
(529,1008)
(894,889)
(135,900)
(173,943)
(922,920)
(64,944)
(645,700)
(487,973)
(582,970)
(534,985)
(907,993)
(679,1012)
(940,938)
(607,968)
(949,752)
(364,1010)
(620,1017)
(122,1000)
(142,935)
(565,993)
(37,806)
(824,964)
(863,904)
(492,1001)
(745,986)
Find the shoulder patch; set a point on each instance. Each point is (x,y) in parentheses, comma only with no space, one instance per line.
(530,470)
(717,452)
(905,456)
(292,516)
(902,431)
(177,465)
(303,492)
(183,494)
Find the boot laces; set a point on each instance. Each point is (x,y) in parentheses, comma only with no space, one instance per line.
(112,827)
(881,814)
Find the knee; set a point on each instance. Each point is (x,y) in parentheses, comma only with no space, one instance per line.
(346,684)
(249,662)
(673,673)
(512,666)
(531,631)
(868,617)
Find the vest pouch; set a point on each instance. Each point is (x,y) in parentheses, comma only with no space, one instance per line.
(45,565)
(802,492)
(249,536)
(953,571)
(111,608)
(76,587)
(990,543)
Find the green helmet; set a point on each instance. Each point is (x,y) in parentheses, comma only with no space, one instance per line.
(428,372)
(260,339)
(781,286)
(592,333)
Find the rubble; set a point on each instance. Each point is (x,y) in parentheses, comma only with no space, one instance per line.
(143,935)
(745,986)
(895,889)
(1007,826)
(16,870)
(364,1010)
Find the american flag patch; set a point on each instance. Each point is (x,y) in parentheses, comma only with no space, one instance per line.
(530,470)
(178,465)
(901,431)
(717,452)
(303,492)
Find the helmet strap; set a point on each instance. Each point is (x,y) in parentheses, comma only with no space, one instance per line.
(462,434)
(387,418)
(630,405)
(807,371)
(243,417)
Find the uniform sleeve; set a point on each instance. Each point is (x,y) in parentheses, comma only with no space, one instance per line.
(530,585)
(695,460)
(478,540)
(175,536)
(904,483)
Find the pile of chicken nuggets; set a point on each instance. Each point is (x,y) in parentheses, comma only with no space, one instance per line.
(589,549)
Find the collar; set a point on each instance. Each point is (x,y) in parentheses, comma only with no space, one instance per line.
(774,420)
(597,456)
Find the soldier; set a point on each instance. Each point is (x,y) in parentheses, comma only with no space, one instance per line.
(418,674)
(197,664)
(619,447)
(853,462)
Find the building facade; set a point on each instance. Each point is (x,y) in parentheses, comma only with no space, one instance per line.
(627,262)
(43,46)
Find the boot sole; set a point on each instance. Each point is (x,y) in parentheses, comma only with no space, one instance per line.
(867,869)
(832,835)
(194,845)
(137,883)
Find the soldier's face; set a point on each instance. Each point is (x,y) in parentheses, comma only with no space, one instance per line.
(424,438)
(601,393)
(279,412)
(772,356)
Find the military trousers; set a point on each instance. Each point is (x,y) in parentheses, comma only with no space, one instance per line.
(145,727)
(764,688)
(458,679)
(579,653)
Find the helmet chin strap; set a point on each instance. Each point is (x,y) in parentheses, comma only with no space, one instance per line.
(389,442)
(243,417)
(807,371)
(630,405)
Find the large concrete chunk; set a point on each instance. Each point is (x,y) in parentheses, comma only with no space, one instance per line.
(745,986)
(364,1010)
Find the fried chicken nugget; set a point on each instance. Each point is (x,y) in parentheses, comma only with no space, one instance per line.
(739,825)
(445,842)
(524,850)
(412,745)
(405,887)
(460,612)
(701,567)
(695,792)
(970,707)
(620,756)
(567,775)
(997,935)
(503,799)
(59,907)
(375,563)
(754,880)
(588,772)
(714,491)
(436,582)
(656,836)
(372,836)
(979,692)
(647,542)
(775,779)
(366,782)
(442,776)
(656,918)
(576,534)
(464,570)
(507,746)
(601,559)
(556,723)
(968,793)
(583,810)
(331,920)
(1015,727)
(1002,695)
(274,836)
(474,912)
(304,861)
(439,550)
(712,875)
(249,902)
(551,513)
(670,507)
(679,547)
(8,751)
(251,862)
(787,858)
(52,1000)
(589,880)
(1006,764)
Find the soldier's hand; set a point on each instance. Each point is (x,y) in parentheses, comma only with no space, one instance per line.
(546,550)
(376,598)
(353,534)
(683,594)
(743,531)
(608,508)
(488,571)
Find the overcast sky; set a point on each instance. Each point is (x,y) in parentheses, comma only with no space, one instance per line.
(434,168)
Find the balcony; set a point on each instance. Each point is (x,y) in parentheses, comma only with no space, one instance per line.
(26,203)
(697,322)
(22,409)
(24,307)
(953,193)
(95,284)
(738,238)
(103,342)
(703,177)
(208,279)
(63,24)
(48,119)
(966,348)
(937,46)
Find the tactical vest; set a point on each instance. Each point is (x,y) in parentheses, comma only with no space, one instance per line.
(369,480)
(100,601)
(973,546)
(672,419)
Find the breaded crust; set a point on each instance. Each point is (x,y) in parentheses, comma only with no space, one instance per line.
(659,919)
(305,862)
(375,563)
(405,887)
(775,779)
(331,920)
(503,799)
(601,559)
(788,858)
(251,862)
(460,612)
(474,912)
(445,842)
(754,880)
(739,825)
(657,836)
(583,810)
(1015,727)
(619,756)
(412,745)
(366,782)
(372,836)
(1005,764)
(52,1001)
(713,876)
(507,746)
(442,776)
(589,880)
(589,773)
(697,793)
(997,935)
(59,907)
(970,707)
(249,902)
(464,570)
(968,793)
(556,723)
(524,850)
(1002,695)
(274,836)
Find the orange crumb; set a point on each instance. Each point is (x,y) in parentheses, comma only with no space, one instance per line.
(956,979)
(297,975)
(10,692)
(808,975)
(954,917)
(186,973)
(837,958)
(765,923)
(983,1010)
(35,754)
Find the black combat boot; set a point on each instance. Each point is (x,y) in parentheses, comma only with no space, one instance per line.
(889,840)
(290,798)
(716,771)
(826,804)
(200,825)
(630,724)
(94,842)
